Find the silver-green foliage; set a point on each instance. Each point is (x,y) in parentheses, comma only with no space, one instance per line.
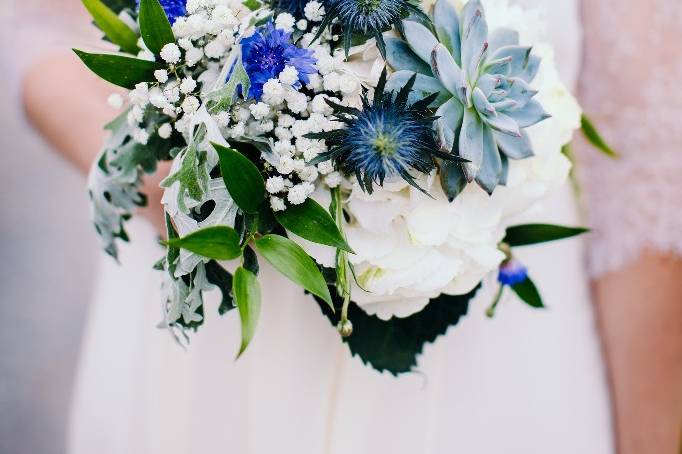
(486,101)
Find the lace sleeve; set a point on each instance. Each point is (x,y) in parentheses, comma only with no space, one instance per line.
(630,86)
(33,29)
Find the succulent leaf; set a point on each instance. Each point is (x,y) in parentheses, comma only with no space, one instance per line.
(446,21)
(400,56)
(420,39)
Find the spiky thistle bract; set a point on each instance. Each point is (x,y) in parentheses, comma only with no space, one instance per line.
(387,137)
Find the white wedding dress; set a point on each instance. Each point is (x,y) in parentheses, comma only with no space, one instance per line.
(527,382)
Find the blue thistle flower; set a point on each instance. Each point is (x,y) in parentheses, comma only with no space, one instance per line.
(512,272)
(267,52)
(386,138)
(369,18)
(173,8)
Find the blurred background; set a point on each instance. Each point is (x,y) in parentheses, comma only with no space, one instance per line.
(46,270)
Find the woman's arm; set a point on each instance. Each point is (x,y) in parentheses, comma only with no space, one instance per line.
(640,314)
(67,104)
(630,86)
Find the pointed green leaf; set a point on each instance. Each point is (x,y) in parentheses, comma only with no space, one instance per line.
(312,222)
(529,294)
(524,235)
(155,28)
(123,71)
(243,179)
(292,261)
(593,136)
(219,243)
(114,28)
(247,294)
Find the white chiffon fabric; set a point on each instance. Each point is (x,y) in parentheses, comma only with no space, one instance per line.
(527,382)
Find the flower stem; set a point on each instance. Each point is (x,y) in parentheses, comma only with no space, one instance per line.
(343,284)
(491,310)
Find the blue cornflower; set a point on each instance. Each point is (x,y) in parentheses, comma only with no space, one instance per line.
(512,272)
(267,52)
(386,138)
(173,8)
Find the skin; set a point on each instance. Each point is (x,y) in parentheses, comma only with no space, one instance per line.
(75,128)
(639,308)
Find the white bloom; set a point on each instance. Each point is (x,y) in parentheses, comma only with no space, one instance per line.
(275,184)
(348,84)
(315,82)
(300,128)
(297,102)
(181,28)
(283,133)
(242,114)
(193,6)
(277,204)
(172,91)
(283,148)
(302,24)
(286,165)
(325,168)
(161,75)
(309,174)
(273,92)
(193,56)
(285,121)
(223,118)
(325,63)
(141,136)
(259,110)
(223,15)
(238,130)
(331,82)
(289,75)
(165,131)
(139,96)
(185,43)
(333,179)
(115,101)
(188,85)
(135,116)
(215,49)
(298,194)
(157,98)
(171,53)
(314,11)
(285,21)
(190,104)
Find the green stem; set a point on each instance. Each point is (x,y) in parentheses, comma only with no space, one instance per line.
(491,310)
(343,284)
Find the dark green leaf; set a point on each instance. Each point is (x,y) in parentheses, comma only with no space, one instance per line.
(312,222)
(251,260)
(529,294)
(524,235)
(253,5)
(247,293)
(593,136)
(292,261)
(114,28)
(123,71)
(394,345)
(172,254)
(218,276)
(119,5)
(155,28)
(242,178)
(219,243)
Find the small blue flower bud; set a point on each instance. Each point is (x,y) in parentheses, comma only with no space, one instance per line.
(512,272)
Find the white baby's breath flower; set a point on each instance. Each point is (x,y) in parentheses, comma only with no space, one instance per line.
(273,92)
(298,194)
(223,118)
(297,102)
(141,136)
(325,168)
(157,98)
(283,148)
(238,130)
(315,82)
(333,179)
(259,110)
(289,75)
(193,56)
(215,49)
(115,101)
(331,81)
(161,75)
(285,120)
(286,165)
(165,130)
(283,133)
(191,104)
(285,21)
(274,184)
(314,11)
(170,53)
(139,96)
(277,204)
(188,85)
(302,24)
(185,43)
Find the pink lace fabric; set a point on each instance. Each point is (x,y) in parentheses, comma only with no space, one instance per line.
(630,87)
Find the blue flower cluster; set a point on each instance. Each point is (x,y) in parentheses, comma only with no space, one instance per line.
(173,8)
(512,272)
(267,52)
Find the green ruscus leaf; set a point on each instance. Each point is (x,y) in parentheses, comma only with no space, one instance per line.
(114,28)
(292,261)
(219,243)
(123,71)
(155,28)
(313,223)
(243,179)
(528,293)
(593,136)
(524,235)
(247,294)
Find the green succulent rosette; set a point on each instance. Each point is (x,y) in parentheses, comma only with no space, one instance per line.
(486,101)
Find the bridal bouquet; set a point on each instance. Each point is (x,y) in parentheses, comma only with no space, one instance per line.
(378,153)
